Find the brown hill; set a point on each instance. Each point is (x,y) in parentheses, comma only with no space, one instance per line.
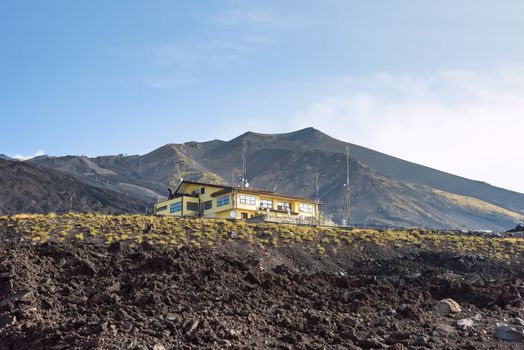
(29,188)
(385,190)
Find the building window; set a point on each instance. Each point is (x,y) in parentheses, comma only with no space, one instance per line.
(246,199)
(283,206)
(208,205)
(266,204)
(173,208)
(202,190)
(244,216)
(192,206)
(306,208)
(224,200)
(162,208)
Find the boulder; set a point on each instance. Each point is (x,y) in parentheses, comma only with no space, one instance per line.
(509,333)
(448,306)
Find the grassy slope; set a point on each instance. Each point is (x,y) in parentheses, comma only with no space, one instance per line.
(207,233)
(482,207)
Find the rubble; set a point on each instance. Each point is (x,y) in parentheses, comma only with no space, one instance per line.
(79,296)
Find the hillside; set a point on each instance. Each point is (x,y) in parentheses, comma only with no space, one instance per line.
(386,191)
(28,188)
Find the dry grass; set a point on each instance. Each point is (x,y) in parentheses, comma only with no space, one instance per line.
(479,205)
(207,233)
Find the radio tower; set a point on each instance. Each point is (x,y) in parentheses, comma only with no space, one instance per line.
(347,194)
(244,164)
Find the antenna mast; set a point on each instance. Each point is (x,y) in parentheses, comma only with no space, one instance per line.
(317,198)
(347,194)
(244,163)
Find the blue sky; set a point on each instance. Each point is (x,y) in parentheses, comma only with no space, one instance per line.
(435,82)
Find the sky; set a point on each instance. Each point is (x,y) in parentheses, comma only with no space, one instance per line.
(439,83)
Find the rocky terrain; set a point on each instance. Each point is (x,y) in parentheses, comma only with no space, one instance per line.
(231,288)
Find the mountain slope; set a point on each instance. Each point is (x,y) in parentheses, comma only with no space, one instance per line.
(30,189)
(385,190)
(312,139)
(3,156)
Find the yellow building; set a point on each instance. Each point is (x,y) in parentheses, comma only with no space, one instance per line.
(217,201)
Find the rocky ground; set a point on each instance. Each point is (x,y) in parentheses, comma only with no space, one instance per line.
(78,295)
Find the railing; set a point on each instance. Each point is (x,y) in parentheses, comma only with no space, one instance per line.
(292,219)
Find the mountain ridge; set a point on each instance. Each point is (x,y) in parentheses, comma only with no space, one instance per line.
(28,188)
(387,190)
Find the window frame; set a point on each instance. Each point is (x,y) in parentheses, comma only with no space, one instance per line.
(162,208)
(207,205)
(192,204)
(175,207)
(305,208)
(266,203)
(284,207)
(223,200)
(247,199)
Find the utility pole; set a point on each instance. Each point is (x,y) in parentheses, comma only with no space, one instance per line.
(347,193)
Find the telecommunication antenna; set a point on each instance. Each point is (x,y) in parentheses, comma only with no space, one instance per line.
(244,164)
(317,189)
(347,194)
(177,169)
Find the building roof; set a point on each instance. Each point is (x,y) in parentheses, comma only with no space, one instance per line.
(199,183)
(229,189)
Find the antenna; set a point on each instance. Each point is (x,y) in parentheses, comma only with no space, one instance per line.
(347,194)
(177,169)
(317,198)
(244,163)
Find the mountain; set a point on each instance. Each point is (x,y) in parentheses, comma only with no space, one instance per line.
(385,191)
(3,156)
(28,188)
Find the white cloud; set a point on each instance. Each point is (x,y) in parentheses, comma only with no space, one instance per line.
(464,122)
(38,153)
(242,17)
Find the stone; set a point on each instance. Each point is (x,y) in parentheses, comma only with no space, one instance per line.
(14,297)
(289,338)
(7,320)
(223,343)
(518,321)
(193,327)
(465,323)
(448,306)
(420,341)
(251,278)
(159,346)
(509,333)
(443,329)
(397,337)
